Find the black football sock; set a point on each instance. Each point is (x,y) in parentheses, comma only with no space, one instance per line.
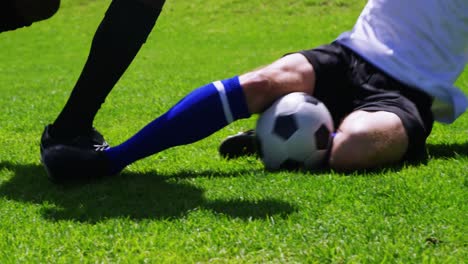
(119,37)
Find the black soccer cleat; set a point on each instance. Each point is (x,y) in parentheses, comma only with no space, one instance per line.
(69,164)
(239,145)
(92,140)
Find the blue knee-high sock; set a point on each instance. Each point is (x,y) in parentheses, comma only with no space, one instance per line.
(198,115)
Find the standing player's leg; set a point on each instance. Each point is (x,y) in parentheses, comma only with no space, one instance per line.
(201,113)
(123,30)
(21,13)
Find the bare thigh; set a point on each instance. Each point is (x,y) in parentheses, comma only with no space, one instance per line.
(367,140)
(292,73)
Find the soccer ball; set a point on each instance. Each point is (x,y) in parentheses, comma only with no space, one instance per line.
(294,133)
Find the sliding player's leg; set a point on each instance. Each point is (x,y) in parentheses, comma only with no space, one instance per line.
(368,140)
(387,129)
(385,121)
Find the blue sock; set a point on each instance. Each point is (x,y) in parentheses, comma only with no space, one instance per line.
(198,115)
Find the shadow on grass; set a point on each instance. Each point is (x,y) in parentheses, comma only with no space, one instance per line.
(131,195)
(448,150)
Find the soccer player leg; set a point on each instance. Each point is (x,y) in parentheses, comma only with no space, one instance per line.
(366,140)
(201,113)
(213,106)
(20,13)
(198,115)
(119,37)
(291,73)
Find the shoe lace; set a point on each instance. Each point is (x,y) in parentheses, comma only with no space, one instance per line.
(101,147)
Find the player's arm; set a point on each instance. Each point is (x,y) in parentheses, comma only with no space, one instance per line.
(21,13)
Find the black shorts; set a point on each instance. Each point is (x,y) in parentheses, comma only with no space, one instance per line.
(346,82)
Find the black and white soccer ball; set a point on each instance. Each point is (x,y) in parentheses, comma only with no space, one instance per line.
(294,133)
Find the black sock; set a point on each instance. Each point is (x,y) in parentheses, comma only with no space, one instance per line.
(119,37)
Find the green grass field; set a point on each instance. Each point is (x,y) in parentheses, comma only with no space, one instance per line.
(188,205)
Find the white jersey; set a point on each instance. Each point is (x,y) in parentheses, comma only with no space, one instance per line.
(422,43)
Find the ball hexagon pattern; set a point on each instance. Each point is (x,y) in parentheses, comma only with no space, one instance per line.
(285,126)
(294,133)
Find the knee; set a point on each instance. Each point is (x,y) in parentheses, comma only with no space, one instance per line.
(360,148)
(350,150)
(259,89)
(367,140)
(292,73)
